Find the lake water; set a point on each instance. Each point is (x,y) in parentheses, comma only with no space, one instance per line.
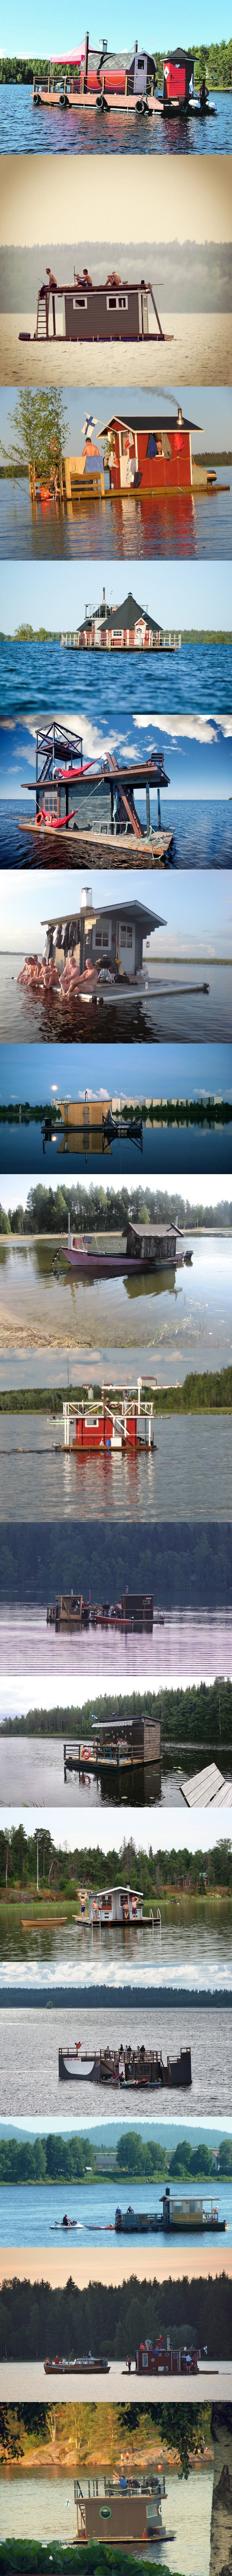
(189,1312)
(202,838)
(200,350)
(28,2213)
(32,676)
(51,131)
(197,1644)
(192,1948)
(23,1147)
(32,1775)
(178,1010)
(183,527)
(29,2043)
(191,1458)
(32,2499)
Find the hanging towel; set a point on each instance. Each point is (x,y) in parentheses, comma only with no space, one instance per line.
(165,443)
(152,449)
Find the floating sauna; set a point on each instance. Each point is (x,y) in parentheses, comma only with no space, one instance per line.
(120,309)
(135,1610)
(126,2067)
(127,83)
(118,1745)
(126,2510)
(128,628)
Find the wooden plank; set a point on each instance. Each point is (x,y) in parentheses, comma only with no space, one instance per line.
(203,1787)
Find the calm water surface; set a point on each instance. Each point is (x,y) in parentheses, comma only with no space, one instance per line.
(190,1459)
(189,1311)
(23,1146)
(180,1009)
(30,2499)
(29,2044)
(32,1774)
(200,1645)
(34,675)
(28,2215)
(202,836)
(193,1947)
(197,528)
(51,131)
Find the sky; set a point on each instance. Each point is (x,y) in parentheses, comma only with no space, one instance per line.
(177,594)
(17,1697)
(183,1072)
(210,406)
(195,1832)
(154,28)
(14,1191)
(197,750)
(196,906)
(180,202)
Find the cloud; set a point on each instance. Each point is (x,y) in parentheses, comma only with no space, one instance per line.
(191,728)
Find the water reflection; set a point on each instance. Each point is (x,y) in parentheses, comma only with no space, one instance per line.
(126,530)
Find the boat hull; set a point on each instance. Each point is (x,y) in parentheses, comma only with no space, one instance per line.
(109,1265)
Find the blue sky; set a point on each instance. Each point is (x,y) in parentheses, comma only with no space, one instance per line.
(14,1193)
(154,28)
(175,593)
(183,1072)
(196,907)
(210,406)
(197,750)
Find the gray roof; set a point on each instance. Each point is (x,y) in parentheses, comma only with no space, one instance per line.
(127,614)
(137,912)
(147,420)
(155,1229)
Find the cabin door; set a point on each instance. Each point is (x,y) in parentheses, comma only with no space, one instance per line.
(140,74)
(128,459)
(126,943)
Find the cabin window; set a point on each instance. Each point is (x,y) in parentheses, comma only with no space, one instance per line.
(98,936)
(145,2361)
(117,303)
(50,802)
(80,303)
(129,937)
(105,939)
(140,62)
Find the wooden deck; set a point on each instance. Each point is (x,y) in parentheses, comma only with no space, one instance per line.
(207,1788)
(111,849)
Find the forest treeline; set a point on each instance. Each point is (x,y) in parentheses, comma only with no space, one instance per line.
(186,1568)
(59,2159)
(199,1713)
(36,2320)
(93,2431)
(34,1860)
(214,60)
(46,1210)
(203,1391)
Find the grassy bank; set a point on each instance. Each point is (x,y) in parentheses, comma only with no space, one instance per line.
(56,2159)
(173,1875)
